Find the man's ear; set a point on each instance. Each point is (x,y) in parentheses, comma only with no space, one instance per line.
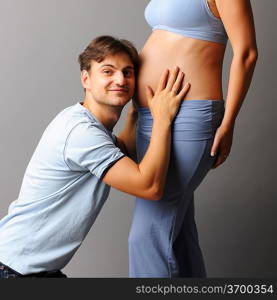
(85,79)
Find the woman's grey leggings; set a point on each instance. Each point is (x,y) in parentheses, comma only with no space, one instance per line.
(163,240)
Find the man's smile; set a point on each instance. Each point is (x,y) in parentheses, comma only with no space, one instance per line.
(120,90)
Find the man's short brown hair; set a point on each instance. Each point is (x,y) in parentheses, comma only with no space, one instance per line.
(102,46)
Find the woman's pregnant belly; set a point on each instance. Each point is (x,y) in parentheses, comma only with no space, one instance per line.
(201,61)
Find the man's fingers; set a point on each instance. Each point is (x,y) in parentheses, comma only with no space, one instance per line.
(163,81)
(184,91)
(178,83)
(172,78)
(149,94)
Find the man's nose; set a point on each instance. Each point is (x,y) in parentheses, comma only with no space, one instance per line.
(120,78)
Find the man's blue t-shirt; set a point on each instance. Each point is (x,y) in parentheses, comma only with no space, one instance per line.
(61,193)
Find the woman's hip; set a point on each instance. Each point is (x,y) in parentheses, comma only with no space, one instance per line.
(196,120)
(192,138)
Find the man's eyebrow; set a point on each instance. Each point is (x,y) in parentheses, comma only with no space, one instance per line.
(112,66)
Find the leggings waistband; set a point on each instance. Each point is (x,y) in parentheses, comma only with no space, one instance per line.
(196,120)
(191,104)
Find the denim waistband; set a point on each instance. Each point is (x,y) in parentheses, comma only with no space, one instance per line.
(8,269)
(196,120)
(53,274)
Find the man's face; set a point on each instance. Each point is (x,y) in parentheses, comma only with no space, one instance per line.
(110,82)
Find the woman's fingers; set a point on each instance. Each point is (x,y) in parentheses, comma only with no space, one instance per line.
(220,160)
(215,145)
(214,152)
(221,147)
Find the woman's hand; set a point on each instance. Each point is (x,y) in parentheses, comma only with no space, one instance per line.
(222,144)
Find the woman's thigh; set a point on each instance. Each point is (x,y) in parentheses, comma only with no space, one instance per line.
(192,137)
(190,161)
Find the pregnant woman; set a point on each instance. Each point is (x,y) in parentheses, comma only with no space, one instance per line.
(190,34)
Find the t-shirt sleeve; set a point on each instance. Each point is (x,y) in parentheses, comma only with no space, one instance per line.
(89,148)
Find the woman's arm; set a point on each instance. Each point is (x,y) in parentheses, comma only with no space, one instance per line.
(237,18)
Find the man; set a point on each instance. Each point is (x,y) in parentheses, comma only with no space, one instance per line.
(67,180)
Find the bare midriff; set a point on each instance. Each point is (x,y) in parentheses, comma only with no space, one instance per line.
(201,61)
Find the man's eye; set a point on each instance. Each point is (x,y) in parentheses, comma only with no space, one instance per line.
(128,73)
(107,71)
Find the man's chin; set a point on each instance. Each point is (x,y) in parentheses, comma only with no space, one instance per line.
(119,102)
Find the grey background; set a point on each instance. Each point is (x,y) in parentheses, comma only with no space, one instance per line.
(39,76)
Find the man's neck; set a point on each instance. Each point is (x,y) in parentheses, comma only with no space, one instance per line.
(107,115)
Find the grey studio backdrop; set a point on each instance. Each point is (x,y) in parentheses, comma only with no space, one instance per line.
(39,76)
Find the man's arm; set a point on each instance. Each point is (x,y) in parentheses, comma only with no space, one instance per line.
(126,140)
(147,179)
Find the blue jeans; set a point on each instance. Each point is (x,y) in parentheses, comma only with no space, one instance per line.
(163,240)
(6,272)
